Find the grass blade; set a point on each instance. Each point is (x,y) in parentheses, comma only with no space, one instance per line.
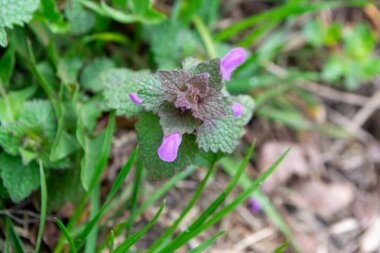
(67,235)
(225,193)
(135,193)
(116,186)
(105,151)
(172,228)
(281,247)
(151,200)
(91,241)
(184,237)
(245,182)
(134,238)
(14,238)
(44,197)
(206,244)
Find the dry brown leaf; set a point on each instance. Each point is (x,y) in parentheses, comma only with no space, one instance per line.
(326,199)
(293,164)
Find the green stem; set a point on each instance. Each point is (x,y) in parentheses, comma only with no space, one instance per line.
(206,36)
(6,101)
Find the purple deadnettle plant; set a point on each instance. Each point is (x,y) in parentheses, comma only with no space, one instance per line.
(186,115)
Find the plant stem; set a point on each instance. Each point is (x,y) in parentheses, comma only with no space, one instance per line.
(206,36)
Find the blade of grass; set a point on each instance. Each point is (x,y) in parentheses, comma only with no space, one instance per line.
(135,194)
(111,242)
(214,205)
(14,238)
(134,238)
(190,233)
(44,197)
(157,194)
(245,182)
(105,151)
(281,247)
(281,12)
(91,241)
(206,243)
(67,235)
(173,227)
(115,187)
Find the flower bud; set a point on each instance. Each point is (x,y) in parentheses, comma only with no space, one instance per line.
(135,99)
(169,147)
(237,109)
(231,61)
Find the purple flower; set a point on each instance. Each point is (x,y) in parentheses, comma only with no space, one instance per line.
(231,61)
(237,109)
(135,99)
(169,147)
(254,205)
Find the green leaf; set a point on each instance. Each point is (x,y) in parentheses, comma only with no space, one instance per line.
(90,78)
(11,136)
(248,105)
(12,103)
(213,68)
(63,186)
(150,92)
(68,69)
(15,12)
(149,16)
(150,135)
(66,144)
(81,20)
(173,120)
(145,12)
(119,83)
(3,37)
(7,62)
(19,180)
(219,135)
(134,238)
(50,11)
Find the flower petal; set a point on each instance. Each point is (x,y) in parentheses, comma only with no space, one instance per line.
(169,147)
(237,109)
(231,61)
(135,99)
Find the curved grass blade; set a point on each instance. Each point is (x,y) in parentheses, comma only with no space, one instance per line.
(206,244)
(67,235)
(44,197)
(134,238)
(184,237)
